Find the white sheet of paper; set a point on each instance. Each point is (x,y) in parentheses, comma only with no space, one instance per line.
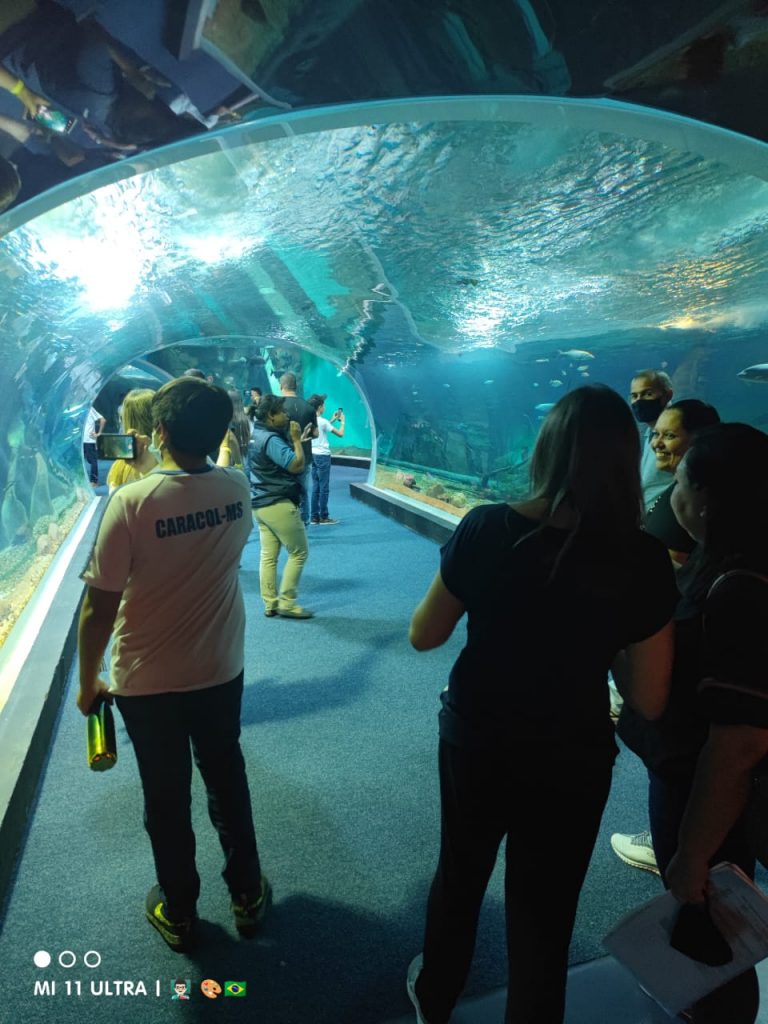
(640,941)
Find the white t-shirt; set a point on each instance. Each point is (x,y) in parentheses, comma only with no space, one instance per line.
(171,542)
(92,425)
(320,445)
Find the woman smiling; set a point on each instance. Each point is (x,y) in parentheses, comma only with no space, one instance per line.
(671,438)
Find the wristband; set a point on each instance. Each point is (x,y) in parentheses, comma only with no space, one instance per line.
(19,88)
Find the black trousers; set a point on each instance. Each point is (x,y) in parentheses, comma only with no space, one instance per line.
(736,1002)
(162,727)
(92,461)
(537,806)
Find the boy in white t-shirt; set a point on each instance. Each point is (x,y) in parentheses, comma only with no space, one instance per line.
(321,460)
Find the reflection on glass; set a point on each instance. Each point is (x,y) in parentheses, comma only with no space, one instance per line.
(464,265)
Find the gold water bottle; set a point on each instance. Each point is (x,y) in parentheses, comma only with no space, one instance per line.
(102,748)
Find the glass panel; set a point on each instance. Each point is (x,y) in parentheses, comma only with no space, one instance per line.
(463,262)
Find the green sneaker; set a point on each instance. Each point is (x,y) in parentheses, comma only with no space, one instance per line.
(177,934)
(249,912)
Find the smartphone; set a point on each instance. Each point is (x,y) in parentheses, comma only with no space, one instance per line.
(116,446)
(54,120)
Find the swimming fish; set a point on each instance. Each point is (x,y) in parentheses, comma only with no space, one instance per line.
(544,360)
(555,383)
(489,382)
(581,369)
(544,407)
(585,374)
(757,374)
(576,353)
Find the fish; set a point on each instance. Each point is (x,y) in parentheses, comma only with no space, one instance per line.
(535,384)
(555,383)
(576,353)
(581,369)
(585,374)
(446,385)
(489,382)
(544,360)
(544,407)
(757,374)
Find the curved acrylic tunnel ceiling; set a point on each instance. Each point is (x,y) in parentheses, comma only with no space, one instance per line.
(367,234)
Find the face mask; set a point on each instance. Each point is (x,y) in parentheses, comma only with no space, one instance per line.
(648,410)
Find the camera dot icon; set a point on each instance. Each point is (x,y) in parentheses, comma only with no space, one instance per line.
(42,958)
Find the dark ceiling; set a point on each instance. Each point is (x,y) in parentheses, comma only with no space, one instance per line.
(701,58)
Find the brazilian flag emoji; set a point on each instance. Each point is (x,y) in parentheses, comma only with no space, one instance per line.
(234,988)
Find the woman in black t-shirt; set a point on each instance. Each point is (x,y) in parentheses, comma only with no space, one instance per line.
(697,812)
(553,588)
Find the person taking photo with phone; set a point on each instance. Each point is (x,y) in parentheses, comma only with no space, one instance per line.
(136,416)
(321,460)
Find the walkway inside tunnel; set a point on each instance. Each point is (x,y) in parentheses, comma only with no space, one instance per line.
(340,739)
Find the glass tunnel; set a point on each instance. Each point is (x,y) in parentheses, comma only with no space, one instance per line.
(443,269)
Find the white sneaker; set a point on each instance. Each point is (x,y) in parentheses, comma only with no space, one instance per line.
(635,850)
(410,985)
(617,701)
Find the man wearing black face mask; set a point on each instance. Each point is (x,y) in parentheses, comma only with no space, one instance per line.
(650,393)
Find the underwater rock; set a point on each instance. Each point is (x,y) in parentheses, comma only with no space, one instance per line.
(23,472)
(409,480)
(40,503)
(435,491)
(54,532)
(61,504)
(56,486)
(43,544)
(13,517)
(458,500)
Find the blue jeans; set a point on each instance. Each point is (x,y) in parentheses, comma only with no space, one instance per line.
(737,1001)
(321,476)
(162,727)
(303,478)
(91,458)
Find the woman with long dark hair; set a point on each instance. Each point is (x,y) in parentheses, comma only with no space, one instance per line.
(553,587)
(702,752)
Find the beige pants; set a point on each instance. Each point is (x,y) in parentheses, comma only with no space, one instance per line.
(280,526)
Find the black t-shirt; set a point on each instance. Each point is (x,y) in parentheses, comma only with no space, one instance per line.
(719,675)
(734,690)
(538,649)
(303,413)
(660,522)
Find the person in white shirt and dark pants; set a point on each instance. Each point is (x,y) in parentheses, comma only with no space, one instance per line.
(321,460)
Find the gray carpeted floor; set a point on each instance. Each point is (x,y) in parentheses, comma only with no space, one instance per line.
(339,734)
